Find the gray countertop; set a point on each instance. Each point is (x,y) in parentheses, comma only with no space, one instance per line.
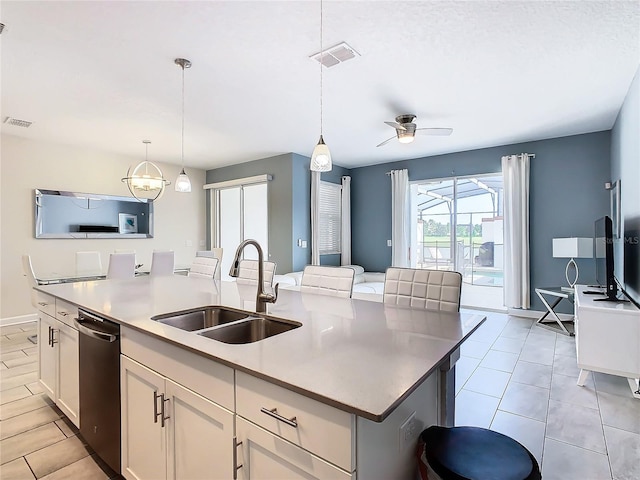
(360,356)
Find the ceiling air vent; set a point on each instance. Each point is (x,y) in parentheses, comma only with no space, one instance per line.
(16,122)
(334,55)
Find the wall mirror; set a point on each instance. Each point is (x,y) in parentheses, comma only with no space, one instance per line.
(60,214)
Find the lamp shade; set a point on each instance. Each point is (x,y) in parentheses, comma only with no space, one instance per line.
(573,247)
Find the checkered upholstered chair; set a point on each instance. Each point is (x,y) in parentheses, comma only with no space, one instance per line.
(203,267)
(429,289)
(248,272)
(336,281)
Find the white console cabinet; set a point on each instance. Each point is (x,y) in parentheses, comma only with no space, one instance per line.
(607,337)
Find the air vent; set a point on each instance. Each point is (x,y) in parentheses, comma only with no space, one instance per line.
(17,122)
(334,55)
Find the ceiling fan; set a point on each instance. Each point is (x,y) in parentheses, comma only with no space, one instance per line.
(406,130)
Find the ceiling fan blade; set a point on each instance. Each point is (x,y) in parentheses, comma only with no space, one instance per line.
(434,131)
(385,142)
(395,125)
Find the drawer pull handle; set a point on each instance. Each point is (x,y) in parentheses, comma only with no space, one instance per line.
(43,304)
(164,417)
(156,413)
(63,314)
(292,422)
(236,467)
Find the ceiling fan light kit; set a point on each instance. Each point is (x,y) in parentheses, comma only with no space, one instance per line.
(406,130)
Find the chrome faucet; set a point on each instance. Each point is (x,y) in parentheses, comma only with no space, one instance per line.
(262,298)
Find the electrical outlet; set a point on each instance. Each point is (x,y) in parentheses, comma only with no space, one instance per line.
(304,244)
(408,432)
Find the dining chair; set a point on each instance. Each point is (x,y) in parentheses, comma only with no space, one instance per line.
(203,267)
(325,280)
(89,263)
(27,269)
(121,265)
(248,272)
(213,253)
(162,262)
(418,288)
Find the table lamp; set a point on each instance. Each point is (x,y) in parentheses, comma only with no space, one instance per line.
(572,248)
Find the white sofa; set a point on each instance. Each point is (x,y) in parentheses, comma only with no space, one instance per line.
(363,282)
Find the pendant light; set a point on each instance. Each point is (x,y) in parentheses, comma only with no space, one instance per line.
(321,156)
(183,184)
(146,178)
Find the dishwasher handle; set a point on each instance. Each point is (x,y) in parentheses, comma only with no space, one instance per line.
(82,328)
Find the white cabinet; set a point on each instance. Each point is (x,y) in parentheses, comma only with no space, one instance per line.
(47,353)
(58,360)
(263,455)
(607,337)
(170,432)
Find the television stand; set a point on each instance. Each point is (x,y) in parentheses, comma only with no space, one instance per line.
(608,299)
(607,338)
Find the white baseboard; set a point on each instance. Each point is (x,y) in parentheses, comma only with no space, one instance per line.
(32,317)
(517,312)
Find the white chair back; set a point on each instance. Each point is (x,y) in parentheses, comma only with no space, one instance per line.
(121,265)
(324,280)
(213,253)
(428,289)
(27,269)
(203,267)
(89,263)
(248,272)
(162,263)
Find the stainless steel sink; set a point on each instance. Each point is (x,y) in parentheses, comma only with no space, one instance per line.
(201,318)
(251,330)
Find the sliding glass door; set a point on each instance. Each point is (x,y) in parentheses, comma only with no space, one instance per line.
(241,212)
(458,224)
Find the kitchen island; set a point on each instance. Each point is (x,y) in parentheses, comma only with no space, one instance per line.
(366,377)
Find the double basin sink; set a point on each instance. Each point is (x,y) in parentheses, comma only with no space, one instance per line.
(226,324)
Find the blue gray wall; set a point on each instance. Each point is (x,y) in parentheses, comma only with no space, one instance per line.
(625,166)
(566,196)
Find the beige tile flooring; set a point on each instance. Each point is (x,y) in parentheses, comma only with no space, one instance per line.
(36,439)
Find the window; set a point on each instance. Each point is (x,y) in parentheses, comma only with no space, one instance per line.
(330,217)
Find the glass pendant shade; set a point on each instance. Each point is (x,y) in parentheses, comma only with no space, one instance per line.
(183,184)
(406,137)
(321,157)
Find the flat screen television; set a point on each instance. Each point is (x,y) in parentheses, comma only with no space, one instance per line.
(603,246)
(632,259)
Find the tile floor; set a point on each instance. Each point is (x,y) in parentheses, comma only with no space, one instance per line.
(36,439)
(520,380)
(512,377)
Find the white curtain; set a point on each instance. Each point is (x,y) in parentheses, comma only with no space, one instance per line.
(315,218)
(515,172)
(345,230)
(400,220)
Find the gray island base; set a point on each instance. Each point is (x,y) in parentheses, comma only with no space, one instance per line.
(344,395)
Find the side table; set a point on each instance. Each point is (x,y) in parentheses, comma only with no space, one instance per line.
(559,294)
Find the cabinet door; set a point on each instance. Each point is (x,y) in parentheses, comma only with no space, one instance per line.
(144,449)
(47,354)
(267,456)
(68,399)
(200,433)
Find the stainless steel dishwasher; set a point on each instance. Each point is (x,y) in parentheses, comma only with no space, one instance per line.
(100,386)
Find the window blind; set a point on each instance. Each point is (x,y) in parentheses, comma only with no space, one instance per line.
(330,218)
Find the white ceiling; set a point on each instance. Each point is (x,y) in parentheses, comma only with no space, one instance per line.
(102,74)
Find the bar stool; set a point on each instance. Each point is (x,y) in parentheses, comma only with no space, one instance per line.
(473,453)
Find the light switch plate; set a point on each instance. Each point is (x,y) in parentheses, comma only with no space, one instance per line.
(388,243)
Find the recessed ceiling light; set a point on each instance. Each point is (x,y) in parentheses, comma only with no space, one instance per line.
(17,122)
(334,55)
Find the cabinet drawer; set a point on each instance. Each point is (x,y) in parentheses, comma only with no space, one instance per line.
(318,428)
(65,312)
(46,303)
